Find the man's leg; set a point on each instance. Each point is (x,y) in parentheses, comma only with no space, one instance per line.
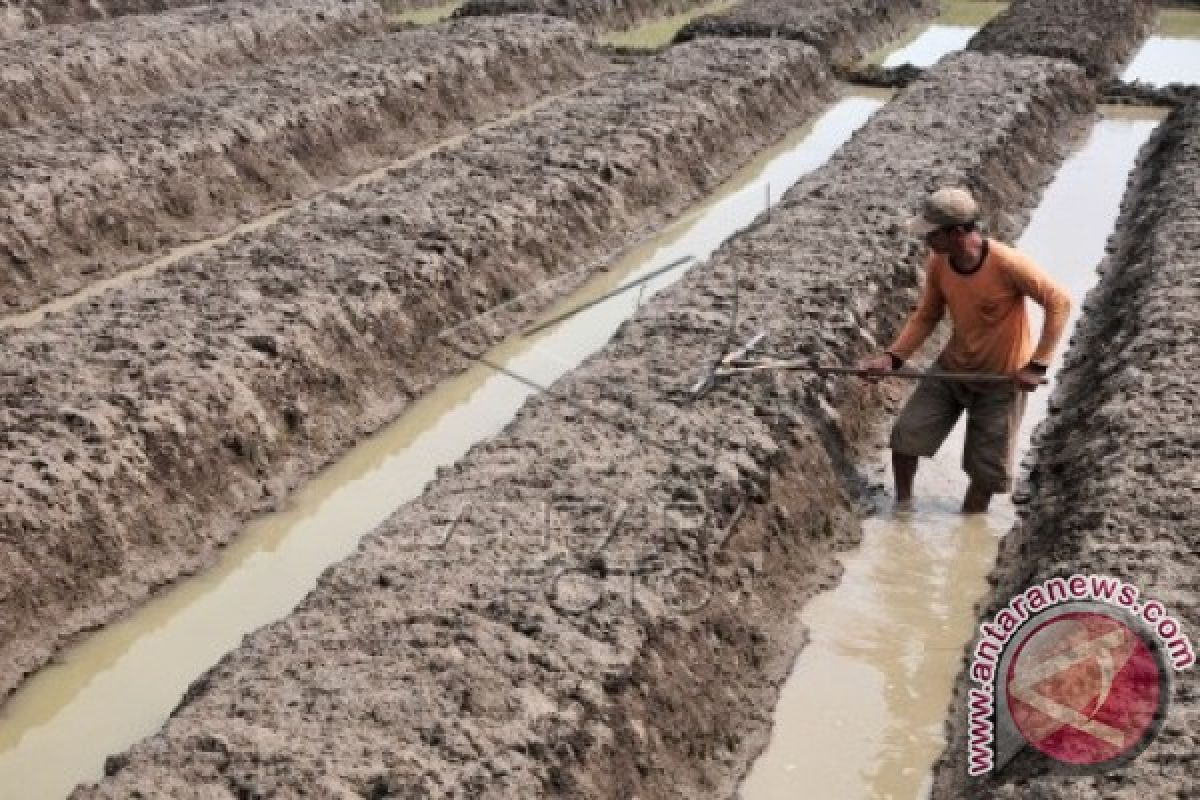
(923,424)
(904,470)
(990,453)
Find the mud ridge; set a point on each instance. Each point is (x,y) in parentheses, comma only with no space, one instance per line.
(59,71)
(1112,485)
(1099,35)
(87,199)
(596,15)
(21,15)
(843,30)
(152,420)
(489,640)
(1139,93)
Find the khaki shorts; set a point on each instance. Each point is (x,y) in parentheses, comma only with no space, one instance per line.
(993,421)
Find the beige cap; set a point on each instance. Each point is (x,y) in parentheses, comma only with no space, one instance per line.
(944,208)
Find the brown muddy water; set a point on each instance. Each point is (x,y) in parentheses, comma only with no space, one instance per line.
(424,16)
(659,33)
(120,684)
(1172,55)
(861,715)
(948,33)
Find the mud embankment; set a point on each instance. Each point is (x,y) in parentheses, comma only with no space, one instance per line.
(88,198)
(1099,35)
(843,30)
(594,14)
(1112,485)
(60,71)
(140,429)
(453,654)
(20,15)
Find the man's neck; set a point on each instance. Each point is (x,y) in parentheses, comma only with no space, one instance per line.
(971,259)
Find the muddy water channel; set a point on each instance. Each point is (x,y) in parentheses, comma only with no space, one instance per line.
(948,33)
(121,683)
(861,715)
(1172,55)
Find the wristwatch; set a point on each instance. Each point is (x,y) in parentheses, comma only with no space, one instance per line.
(1038,367)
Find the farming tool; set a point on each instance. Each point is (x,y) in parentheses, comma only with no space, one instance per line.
(741,361)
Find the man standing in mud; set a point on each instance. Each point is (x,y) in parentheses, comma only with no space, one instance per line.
(984,284)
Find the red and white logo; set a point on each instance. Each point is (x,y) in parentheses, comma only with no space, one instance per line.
(1085,688)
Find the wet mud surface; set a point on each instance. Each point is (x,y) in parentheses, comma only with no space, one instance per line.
(151,420)
(844,30)
(1099,35)
(20,15)
(60,71)
(509,634)
(91,196)
(594,14)
(1112,486)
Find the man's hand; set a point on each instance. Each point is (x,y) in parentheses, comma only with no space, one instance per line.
(881,363)
(1029,378)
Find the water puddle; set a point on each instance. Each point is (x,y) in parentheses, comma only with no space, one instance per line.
(949,33)
(660,32)
(1172,55)
(422,16)
(120,684)
(862,714)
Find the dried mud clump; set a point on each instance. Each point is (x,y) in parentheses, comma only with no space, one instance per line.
(139,429)
(20,15)
(1099,35)
(89,197)
(843,30)
(1112,485)
(504,637)
(60,71)
(594,14)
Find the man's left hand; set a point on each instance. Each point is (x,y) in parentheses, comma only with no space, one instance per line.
(1028,379)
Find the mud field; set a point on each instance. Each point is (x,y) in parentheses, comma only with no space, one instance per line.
(601,600)
(59,71)
(90,198)
(212,387)
(1121,500)
(467,675)
(1099,35)
(844,30)
(19,15)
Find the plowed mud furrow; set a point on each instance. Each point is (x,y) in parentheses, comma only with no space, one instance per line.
(20,15)
(594,14)
(90,197)
(61,71)
(153,419)
(434,661)
(844,30)
(1112,486)
(1099,35)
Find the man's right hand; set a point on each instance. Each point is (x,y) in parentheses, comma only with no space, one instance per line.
(880,363)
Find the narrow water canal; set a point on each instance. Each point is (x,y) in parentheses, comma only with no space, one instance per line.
(121,683)
(861,715)
(1172,54)
(949,33)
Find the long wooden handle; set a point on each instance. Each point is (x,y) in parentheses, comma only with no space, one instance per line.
(912,374)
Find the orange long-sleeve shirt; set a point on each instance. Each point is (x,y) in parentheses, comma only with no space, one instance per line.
(987,307)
